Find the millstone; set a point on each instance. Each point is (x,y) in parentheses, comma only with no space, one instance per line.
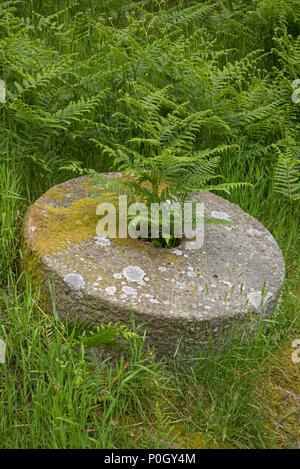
(177,295)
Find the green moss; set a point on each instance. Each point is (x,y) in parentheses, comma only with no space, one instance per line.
(200,441)
(30,265)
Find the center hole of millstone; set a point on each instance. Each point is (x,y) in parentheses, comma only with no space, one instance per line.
(150,218)
(164,239)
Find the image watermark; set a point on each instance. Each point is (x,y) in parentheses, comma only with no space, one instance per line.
(296,93)
(296,353)
(2,92)
(161,220)
(2,351)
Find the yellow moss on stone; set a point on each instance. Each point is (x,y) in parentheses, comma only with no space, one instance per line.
(30,265)
(87,184)
(56,226)
(58,192)
(48,231)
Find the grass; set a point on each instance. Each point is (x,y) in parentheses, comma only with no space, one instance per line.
(51,394)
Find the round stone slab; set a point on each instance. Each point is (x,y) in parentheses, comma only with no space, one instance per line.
(177,295)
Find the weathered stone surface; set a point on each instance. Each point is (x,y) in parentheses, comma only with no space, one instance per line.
(177,294)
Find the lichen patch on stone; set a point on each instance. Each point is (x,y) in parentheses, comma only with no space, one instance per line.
(129,290)
(257,300)
(134,273)
(74,281)
(220,215)
(177,252)
(111,290)
(102,241)
(118,276)
(154,301)
(253,232)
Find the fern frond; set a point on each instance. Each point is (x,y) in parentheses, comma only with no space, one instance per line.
(286,177)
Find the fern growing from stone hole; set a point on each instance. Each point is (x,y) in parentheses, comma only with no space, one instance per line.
(162,160)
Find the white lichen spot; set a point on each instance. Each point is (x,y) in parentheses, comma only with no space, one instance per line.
(225,282)
(129,290)
(102,241)
(253,232)
(256,299)
(133,273)
(74,281)
(220,215)
(177,252)
(2,92)
(271,238)
(154,300)
(110,290)
(118,276)
(191,274)
(2,351)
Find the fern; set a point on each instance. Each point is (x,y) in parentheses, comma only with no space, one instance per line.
(108,335)
(123,82)
(286,177)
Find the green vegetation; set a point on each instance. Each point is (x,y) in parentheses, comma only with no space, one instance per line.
(105,85)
